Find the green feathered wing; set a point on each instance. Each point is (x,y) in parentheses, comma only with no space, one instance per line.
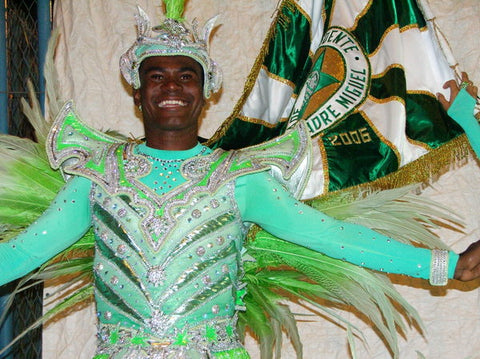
(274,270)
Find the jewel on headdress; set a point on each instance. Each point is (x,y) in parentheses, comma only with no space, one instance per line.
(173,37)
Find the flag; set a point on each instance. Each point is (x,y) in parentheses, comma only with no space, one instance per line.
(363,75)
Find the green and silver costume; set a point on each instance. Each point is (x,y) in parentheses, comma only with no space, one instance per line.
(170,228)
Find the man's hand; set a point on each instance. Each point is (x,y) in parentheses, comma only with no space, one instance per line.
(468,265)
(454,90)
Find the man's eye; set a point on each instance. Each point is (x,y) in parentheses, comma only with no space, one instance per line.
(156,76)
(186,76)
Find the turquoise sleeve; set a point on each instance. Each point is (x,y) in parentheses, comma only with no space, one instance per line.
(462,112)
(64,222)
(262,200)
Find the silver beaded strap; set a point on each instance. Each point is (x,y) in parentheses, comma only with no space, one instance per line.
(439,267)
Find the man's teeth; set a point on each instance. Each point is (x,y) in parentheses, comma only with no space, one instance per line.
(172,102)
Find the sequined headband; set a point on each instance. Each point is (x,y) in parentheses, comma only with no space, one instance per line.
(173,37)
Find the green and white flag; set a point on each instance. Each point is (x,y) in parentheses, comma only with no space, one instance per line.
(363,75)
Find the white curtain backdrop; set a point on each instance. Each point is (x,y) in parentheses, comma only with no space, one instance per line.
(94,33)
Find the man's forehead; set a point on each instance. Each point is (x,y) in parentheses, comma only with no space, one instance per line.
(177,62)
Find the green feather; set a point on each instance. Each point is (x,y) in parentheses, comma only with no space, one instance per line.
(351,342)
(395,212)
(28,183)
(319,276)
(174,9)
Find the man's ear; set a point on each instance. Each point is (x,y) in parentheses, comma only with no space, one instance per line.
(137,97)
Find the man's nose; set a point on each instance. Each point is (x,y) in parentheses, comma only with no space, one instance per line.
(171,84)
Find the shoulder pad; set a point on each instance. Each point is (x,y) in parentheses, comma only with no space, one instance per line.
(288,157)
(76,147)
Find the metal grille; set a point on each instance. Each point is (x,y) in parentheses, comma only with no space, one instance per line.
(22,50)
(26,309)
(22,60)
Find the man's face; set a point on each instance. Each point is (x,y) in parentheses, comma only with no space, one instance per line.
(170,93)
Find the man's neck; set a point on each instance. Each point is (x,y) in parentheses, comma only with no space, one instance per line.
(171,140)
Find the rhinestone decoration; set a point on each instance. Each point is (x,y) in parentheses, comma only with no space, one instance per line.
(158,226)
(200,251)
(166,164)
(103,334)
(439,267)
(158,322)
(196,168)
(192,342)
(121,249)
(136,167)
(196,213)
(156,275)
(122,212)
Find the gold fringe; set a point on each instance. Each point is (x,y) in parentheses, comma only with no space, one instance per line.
(427,169)
(282,19)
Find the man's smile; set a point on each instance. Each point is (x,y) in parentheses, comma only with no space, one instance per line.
(172,103)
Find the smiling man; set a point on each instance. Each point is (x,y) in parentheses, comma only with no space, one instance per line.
(170,215)
(171,99)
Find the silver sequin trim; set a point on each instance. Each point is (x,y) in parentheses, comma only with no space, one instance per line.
(439,267)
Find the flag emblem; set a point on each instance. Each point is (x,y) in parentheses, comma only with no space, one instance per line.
(337,84)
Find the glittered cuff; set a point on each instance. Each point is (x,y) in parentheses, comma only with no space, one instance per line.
(439,267)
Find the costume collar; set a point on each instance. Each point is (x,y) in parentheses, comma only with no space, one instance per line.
(198,149)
